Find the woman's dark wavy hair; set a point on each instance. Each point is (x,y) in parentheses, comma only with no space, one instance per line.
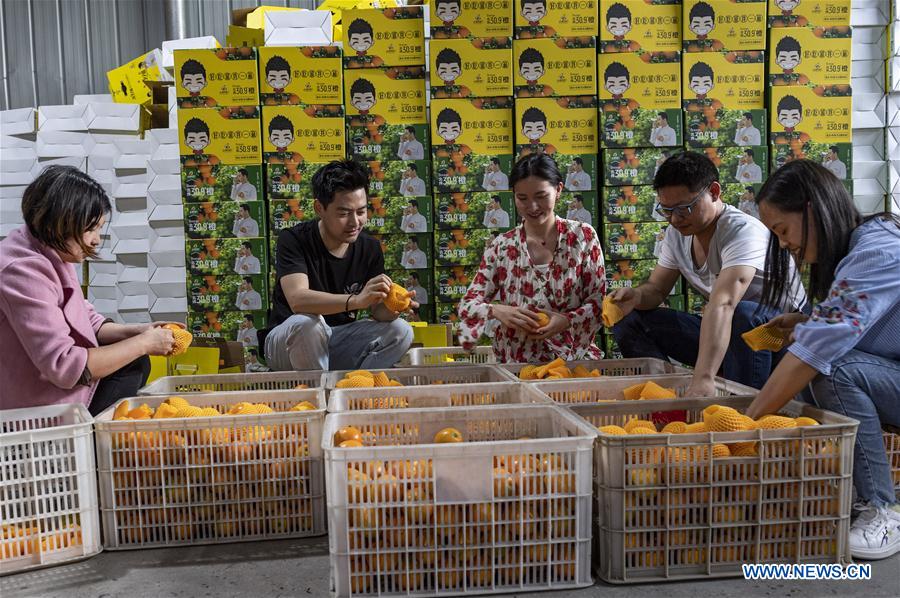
(538,165)
(796,186)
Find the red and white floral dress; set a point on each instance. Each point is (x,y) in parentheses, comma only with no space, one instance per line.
(573,285)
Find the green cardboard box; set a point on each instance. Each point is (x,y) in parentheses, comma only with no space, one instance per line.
(475,210)
(452,282)
(631,166)
(406,252)
(221,182)
(399,215)
(743,165)
(286,213)
(393,178)
(418,280)
(226,256)
(225,219)
(290,180)
(633,240)
(578,205)
(630,203)
(461,247)
(229,292)
(227,325)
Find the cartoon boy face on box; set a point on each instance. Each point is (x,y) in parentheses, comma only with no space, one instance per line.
(702,20)
(449,65)
(361,36)
(618,21)
(787,54)
(701,79)
(278,73)
(616,79)
(534,11)
(531,65)
(789,113)
(196,135)
(447,11)
(534,125)
(362,95)
(281,133)
(449,125)
(193,77)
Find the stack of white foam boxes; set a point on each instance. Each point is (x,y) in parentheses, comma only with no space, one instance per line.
(893,110)
(18,161)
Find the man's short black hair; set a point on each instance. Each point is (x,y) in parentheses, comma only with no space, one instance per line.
(701,9)
(193,67)
(700,69)
(618,11)
(578,160)
(664,116)
(338,176)
(281,123)
(750,189)
(495,160)
(248,280)
(359,26)
(414,203)
(253,352)
(530,55)
(449,116)
(277,63)
(615,69)
(195,125)
(749,152)
(249,318)
(247,245)
(362,86)
(532,115)
(410,129)
(748,116)
(439,2)
(245,206)
(414,240)
(448,56)
(495,198)
(833,148)
(413,167)
(787,44)
(686,169)
(789,103)
(243,171)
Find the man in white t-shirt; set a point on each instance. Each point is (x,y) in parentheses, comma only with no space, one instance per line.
(413,284)
(721,252)
(410,183)
(247,332)
(244,225)
(748,171)
(247,298)
(578,179)
(495,216)
(246,262)
(241,188)
(577,212)
(413,221)
(746,133)
(494,179)
(413,257)
(833,163)
(410,148)
(662,135)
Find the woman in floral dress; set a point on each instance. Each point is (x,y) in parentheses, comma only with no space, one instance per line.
(546,264)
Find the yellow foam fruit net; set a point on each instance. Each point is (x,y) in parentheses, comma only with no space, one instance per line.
(183,339)
(633,393)
(557,369)
(611,312)
(652,390)
(613,430)
(397,299)
(764,338)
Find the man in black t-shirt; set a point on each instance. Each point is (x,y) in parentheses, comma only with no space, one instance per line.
(325,271)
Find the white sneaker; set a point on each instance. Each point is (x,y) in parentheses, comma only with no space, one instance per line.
(875,534)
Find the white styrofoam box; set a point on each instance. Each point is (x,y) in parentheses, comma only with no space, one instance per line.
(132,176)
(876,170)
(869,204)
(130,225)
(893,109)
(29,152)
(11,192)
(168,229)
(870,43)
(867,187)
(172,309)
(165,213)
(173,119)
(169,281)
(102,176)
(189,43)
(16,171)
(172,100)
(78,162)
(164,165)
(17,122)
(59,144)
(92,98)
(114,117)
(141,316)
(168,251)
(867,76)
(126,246)
(869,142)
(11,213)
(869,110)
(66,117)
(163,136)
(129,190)
(96,293)
(6,228)
(870,13)
(134,301)
(106,307)
(138,272)
(135,152)
(135,289)
(165,189)
(893,68)
(16,142)
(297,28)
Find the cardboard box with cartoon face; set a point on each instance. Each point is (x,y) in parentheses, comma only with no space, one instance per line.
(717,25)
(462,68)
(634,240)
(396,179)
(410,215)
(462,19)
(226,256)
(220,182)
(286,213)
(640,25)
(228,292)
(216,77)
(452,282)
(420,281)
(578,205)
(631,273)
(809,13)
(240,326)
(475,210)
(406,252)
(379,37)
(565,129)
(461,247)
(630,203)
(640,99)
(472,144)
(743,165)
(554,18)
(566,66)
(723,98)
(298,134)
(226,135)
(224,219)
(386,113)
(809,56)
(632,166)
(292,76)
(742,197)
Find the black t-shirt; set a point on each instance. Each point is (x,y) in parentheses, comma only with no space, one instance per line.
(301,251)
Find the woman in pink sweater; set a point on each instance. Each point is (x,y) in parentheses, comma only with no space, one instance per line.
(54,348)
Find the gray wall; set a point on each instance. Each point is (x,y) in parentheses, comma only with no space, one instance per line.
(55,49)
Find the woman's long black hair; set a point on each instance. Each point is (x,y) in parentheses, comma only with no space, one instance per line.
(804,186)
(538,165)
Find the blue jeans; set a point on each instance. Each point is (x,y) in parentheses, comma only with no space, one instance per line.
(306,342)
(665,333)
(865,387)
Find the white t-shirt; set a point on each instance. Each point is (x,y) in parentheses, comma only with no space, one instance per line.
(581,215)
(496,219)
(248,300)
(413,187)
(495,181)
(415,259)
(245,227)
(837,168)
(747,136)
(247,337)
(578,181)
(739,240)
(243,191)
(663,136)
(421,294)
(411,150)
(247,265)
(748,173)
(413,223)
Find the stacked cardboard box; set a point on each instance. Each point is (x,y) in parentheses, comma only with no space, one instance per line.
(18,164)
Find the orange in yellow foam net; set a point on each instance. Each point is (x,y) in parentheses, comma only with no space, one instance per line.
(764,338)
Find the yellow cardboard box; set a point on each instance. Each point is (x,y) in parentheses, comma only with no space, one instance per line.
(640,99)
(308,75)
(813,13)
(799,113)
(126,83)
(220,77)
(723,98)
(472,143)
(460,19)
(387,95)
(550,18)
(716,25)
(245,36)
(462,68)
(564,128)
(809,56)
(554,67)
(384,37)
(303,134)
(228,135)
(632,25)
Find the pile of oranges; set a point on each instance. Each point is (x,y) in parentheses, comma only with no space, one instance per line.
(556,369)
(17,541)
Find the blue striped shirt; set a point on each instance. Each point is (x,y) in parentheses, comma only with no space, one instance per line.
(862,310)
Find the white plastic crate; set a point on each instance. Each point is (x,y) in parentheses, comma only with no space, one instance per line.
(506,511)
(442,395)
(210,480)
(449,356)
(600,390)
(670,511)
(168,385)
(420,376)
(892,446)
(641,366)
(48,491)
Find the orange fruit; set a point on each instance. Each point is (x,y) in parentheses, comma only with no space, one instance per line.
(448,435)
(397,299)
(347,433)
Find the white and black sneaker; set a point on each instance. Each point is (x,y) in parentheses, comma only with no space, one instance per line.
(875,533)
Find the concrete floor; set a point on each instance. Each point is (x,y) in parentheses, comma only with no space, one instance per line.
(300,568)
